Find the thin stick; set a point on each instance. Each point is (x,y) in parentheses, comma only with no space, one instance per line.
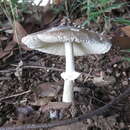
(4,28)
(30,66)
(5,78)
(42,67)
(39,67)
(7,71)
(15,95)
(97,112)
(49,68)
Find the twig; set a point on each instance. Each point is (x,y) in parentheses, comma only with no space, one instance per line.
(49,68)
(5,78)
(15,95)
(39,67)
(5,28)
(97,112)
(39,3)
(31,66)
(42,67)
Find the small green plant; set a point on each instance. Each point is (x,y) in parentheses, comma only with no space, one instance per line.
(93,10)
(13,8)
(70,8)
(122,21)
(96,9)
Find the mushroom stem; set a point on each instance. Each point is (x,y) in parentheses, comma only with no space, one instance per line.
(70,75)
(68,91)
(69,57)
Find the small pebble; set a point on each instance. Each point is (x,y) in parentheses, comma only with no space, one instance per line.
(119,66)
(82,27)
(78,26)
(24,112)
(48,70)
(109,71)
(113,92)
(53,114)
(125,83)
(115,65)
(124,73)
(118,74)
(53,65)
(89,121)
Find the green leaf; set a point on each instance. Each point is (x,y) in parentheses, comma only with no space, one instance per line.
(103,2)
(85,22)
(122,21)
(113,6)
(127,50)
(127,58)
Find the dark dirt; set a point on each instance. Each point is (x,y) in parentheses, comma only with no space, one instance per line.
(110,70)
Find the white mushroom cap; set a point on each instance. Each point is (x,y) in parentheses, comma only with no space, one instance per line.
(52,41)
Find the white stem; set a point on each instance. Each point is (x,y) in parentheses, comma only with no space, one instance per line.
(68,91)
(70,75)
(69,57)
(68,84)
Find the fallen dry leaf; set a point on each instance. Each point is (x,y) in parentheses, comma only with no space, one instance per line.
(100,82)
(126,30)
(3,38)
(58,2)
(7,57)
(122,42)
(19,33)
(48,16)
(54,106)
(48,89)
(46,92)
(41,101)
(104,80)
(7,49)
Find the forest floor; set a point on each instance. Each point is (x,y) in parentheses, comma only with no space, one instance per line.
(31,86)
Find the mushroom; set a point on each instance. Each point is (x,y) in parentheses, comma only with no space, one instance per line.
(68,41)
